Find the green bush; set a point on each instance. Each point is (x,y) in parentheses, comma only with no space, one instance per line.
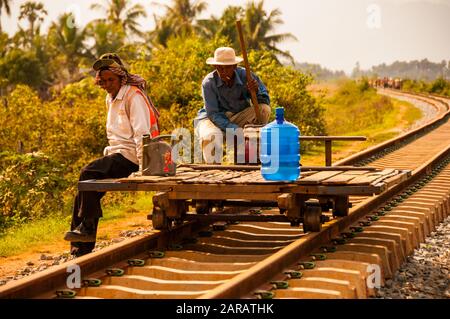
(439,86)
(30,187)
(21,67)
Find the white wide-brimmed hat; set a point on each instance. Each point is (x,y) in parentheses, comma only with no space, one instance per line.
(224,56)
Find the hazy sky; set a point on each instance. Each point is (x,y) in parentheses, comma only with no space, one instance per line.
(333,33)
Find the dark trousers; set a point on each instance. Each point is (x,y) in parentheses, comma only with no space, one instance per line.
(87,204)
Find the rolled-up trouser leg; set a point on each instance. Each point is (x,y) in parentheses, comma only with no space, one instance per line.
(211,139)
(248,115)
(87,204)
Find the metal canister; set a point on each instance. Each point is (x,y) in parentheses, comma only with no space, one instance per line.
(157,157)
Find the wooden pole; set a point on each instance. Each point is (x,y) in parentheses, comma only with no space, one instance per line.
(247,71)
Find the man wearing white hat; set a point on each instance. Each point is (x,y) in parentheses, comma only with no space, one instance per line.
(227,102)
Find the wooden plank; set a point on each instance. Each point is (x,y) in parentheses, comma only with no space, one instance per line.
(343,178)
(371,177)
(335,189)
(404,175)
(247,177)
(384,177)
(318,177)
(223,195)
(229,188)
(203,167)
(333,138)
(155,179)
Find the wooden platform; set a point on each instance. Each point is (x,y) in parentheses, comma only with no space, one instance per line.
(318,189)
(314,180)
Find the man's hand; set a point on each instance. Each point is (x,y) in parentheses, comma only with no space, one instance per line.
(252,85)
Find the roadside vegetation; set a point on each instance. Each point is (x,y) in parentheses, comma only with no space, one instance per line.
(439,86)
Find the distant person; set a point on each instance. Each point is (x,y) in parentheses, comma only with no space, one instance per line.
(227,100)
(131,114)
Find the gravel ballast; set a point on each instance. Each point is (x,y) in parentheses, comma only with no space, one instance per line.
(426,274)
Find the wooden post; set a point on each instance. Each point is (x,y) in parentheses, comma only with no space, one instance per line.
(248,72)
(327,152)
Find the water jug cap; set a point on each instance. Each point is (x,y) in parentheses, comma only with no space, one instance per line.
(279,111)
(279,115)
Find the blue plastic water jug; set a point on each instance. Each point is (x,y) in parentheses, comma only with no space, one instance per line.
(280,150)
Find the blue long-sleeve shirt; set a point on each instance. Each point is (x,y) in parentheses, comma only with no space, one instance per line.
(219,98)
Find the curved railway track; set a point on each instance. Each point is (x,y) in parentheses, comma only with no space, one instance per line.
(267,260)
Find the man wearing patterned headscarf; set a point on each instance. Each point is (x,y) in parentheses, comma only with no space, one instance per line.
(131,114)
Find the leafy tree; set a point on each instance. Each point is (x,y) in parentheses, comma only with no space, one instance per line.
(4,44)
(67,43)
(159,36)
(259,26)
(225,26)
(33,12)
(179,20)
(19,66)
(415,70)
(106,37)
(120,12)
(4,4)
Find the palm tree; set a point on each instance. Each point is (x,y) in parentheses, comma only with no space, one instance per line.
(68,42)
(182,14)
(119,12)
(32,11)
(259,25)
(163,30)
(4,4)
(225,26)
(106,37)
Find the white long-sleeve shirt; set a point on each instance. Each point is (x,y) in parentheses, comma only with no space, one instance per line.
(128,119)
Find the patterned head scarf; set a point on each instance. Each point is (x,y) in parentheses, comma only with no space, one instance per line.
(112,62)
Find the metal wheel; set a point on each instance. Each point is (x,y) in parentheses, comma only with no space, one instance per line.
(312,218)
(341,206)
(159,219)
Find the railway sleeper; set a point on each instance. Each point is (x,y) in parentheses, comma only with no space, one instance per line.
(197,256)
(308,284)
(432,211)
(119,292)
(178,263)
(404,232)
(398,239)
(233,242)
(391,245)
(243,235)
(166,273)
(355,278)
(228,250)
(308,293)
(425,218)
(411,227)
(418,226)
(381,251)
(145,283)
